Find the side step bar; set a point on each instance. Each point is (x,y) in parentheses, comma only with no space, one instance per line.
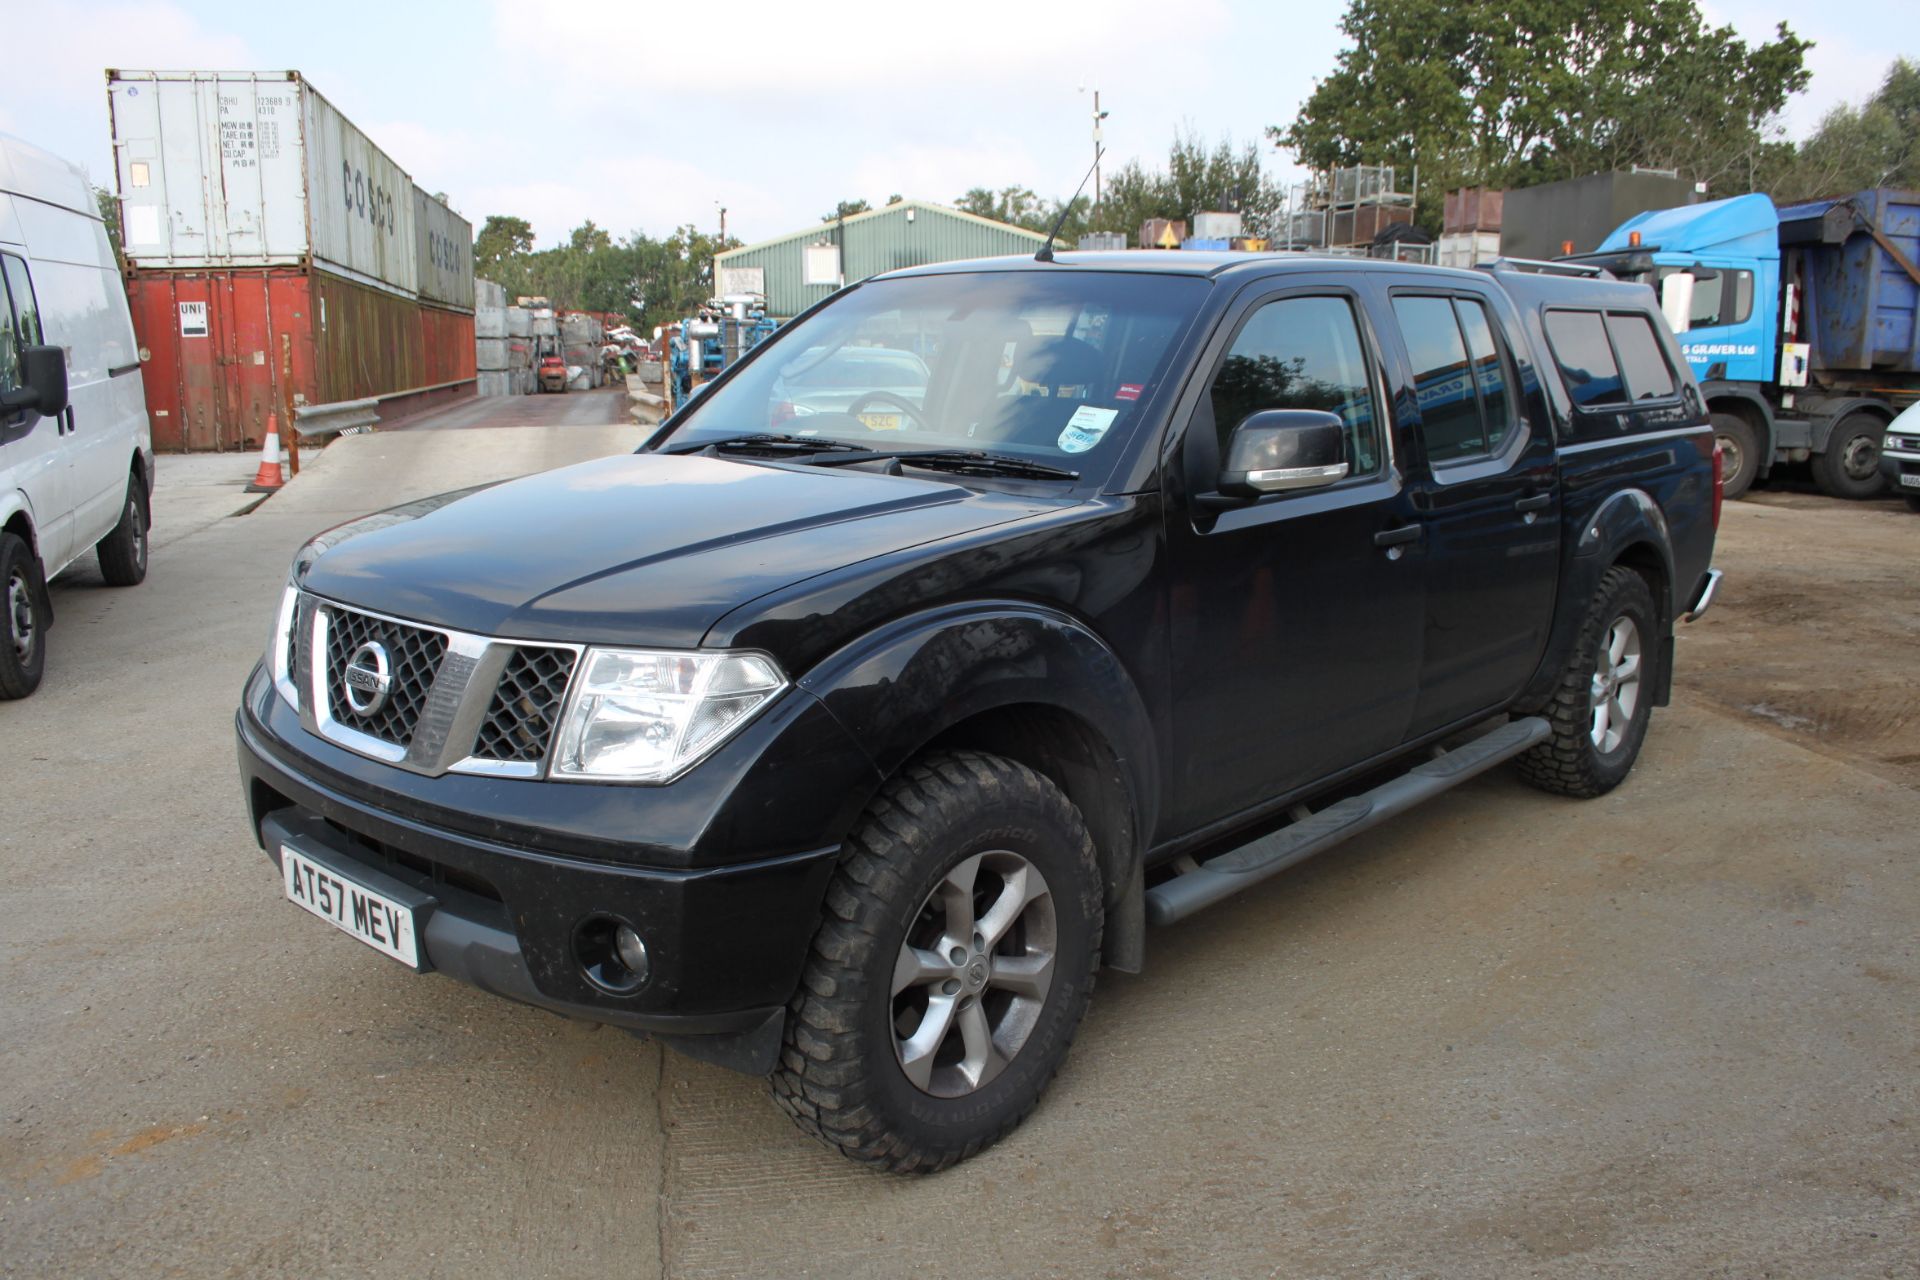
(1237,869)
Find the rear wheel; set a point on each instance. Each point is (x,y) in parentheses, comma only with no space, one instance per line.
(123,552)
(23,646)
(1600,710)
(1739,453)
(1849,467)
(954,962)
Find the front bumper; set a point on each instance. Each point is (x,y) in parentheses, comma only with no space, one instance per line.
(1901,467)
(727,941)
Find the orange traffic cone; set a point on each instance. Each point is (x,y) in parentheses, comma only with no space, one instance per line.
(268,478)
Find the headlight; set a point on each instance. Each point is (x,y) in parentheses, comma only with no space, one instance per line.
(280,647)
(637,715)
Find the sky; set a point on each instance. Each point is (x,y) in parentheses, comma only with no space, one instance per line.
(643,116)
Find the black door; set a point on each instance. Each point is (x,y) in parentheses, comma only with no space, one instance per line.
(1295,634)
(1484,483)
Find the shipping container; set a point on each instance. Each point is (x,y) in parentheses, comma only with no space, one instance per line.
(1539,222)
(236,169)
(444,253)
(221,349)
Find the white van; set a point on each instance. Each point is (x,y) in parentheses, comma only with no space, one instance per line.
(76,451)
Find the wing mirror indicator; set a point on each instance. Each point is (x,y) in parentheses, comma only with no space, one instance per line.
(1283,450)
(43,387)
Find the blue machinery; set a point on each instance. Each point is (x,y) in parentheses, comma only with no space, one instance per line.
(708,342)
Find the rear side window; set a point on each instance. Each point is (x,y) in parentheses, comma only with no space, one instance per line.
(1580,348)
(1649,377)
(1300,353)
(1466,410)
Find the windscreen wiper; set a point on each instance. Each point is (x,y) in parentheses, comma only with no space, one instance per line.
(965,461)
(771,442)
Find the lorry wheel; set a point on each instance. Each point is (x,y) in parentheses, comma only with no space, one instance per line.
(123,552)
(1739,453)
(1600,709)
(23,649)
(952,965)
(1850,465)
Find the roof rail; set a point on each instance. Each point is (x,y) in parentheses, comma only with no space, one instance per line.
(1542,267)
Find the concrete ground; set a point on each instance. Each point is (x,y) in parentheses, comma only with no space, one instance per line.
(1670,1032)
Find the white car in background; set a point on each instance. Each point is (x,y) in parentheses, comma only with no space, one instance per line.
(76,450)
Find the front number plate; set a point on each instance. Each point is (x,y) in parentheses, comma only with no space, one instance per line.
(1910,481)
(381,923)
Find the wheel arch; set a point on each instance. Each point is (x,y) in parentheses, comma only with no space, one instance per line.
(1628,529)
(1029,683)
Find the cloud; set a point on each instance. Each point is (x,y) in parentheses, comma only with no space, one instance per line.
(61,98)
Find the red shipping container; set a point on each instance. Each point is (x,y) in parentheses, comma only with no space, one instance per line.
(220,349)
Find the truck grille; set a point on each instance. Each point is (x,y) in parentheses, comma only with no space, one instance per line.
(526,703)
(413,657)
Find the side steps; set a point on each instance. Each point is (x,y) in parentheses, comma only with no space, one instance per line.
(1203,884)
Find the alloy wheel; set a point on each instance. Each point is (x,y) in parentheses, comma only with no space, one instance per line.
(1616,684)
(973,973)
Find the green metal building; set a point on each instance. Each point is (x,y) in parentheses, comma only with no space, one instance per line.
(796,270)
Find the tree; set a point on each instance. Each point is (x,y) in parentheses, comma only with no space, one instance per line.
(846,209)
(109,206)
(1876,144)
(501,238)
(1017,206)
(1530,91)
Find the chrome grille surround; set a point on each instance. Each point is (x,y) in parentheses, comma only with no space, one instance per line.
(446,685)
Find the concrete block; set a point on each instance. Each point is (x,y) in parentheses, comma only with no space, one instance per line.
(490,322)
(519,322)
(490,353)
(488,383)
(543,327)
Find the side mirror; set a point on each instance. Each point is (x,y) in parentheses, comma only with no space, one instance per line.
(1676,300)
(1278,450)
(44,385)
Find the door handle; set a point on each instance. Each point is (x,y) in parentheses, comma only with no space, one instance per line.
(1538,502)
(1396,537)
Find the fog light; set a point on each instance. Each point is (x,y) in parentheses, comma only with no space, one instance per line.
(611,954)
(631,951)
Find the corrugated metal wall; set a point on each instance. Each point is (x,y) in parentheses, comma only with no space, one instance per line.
(884,240)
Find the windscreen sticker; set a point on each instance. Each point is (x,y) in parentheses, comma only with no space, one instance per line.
(1130,391)
(1085,428)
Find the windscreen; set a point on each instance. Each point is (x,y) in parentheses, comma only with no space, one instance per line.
(1045,364)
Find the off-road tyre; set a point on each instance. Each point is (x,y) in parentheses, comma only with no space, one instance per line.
(123,552)
(1849,467)
(21,587)
(840,1075)
(1571,763)
(1740,453)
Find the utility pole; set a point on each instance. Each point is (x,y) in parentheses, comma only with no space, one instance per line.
(1098,116)
(723,224)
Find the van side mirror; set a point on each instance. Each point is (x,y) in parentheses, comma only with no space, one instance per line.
(44,385)
(1279,450)
(1676,300)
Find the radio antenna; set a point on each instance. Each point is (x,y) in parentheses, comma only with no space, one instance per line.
(1046,250)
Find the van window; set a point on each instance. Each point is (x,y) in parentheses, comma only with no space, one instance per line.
(9,338)
(1580,348)
(1649,377)
(26,314)
(1301,353)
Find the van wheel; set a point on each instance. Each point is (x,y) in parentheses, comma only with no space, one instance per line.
(23,647)
(123,553)
(1599,711)
(953,963)
(1739,453)
(1850,465)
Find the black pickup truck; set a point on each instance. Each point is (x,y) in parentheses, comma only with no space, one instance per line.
(984,615)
